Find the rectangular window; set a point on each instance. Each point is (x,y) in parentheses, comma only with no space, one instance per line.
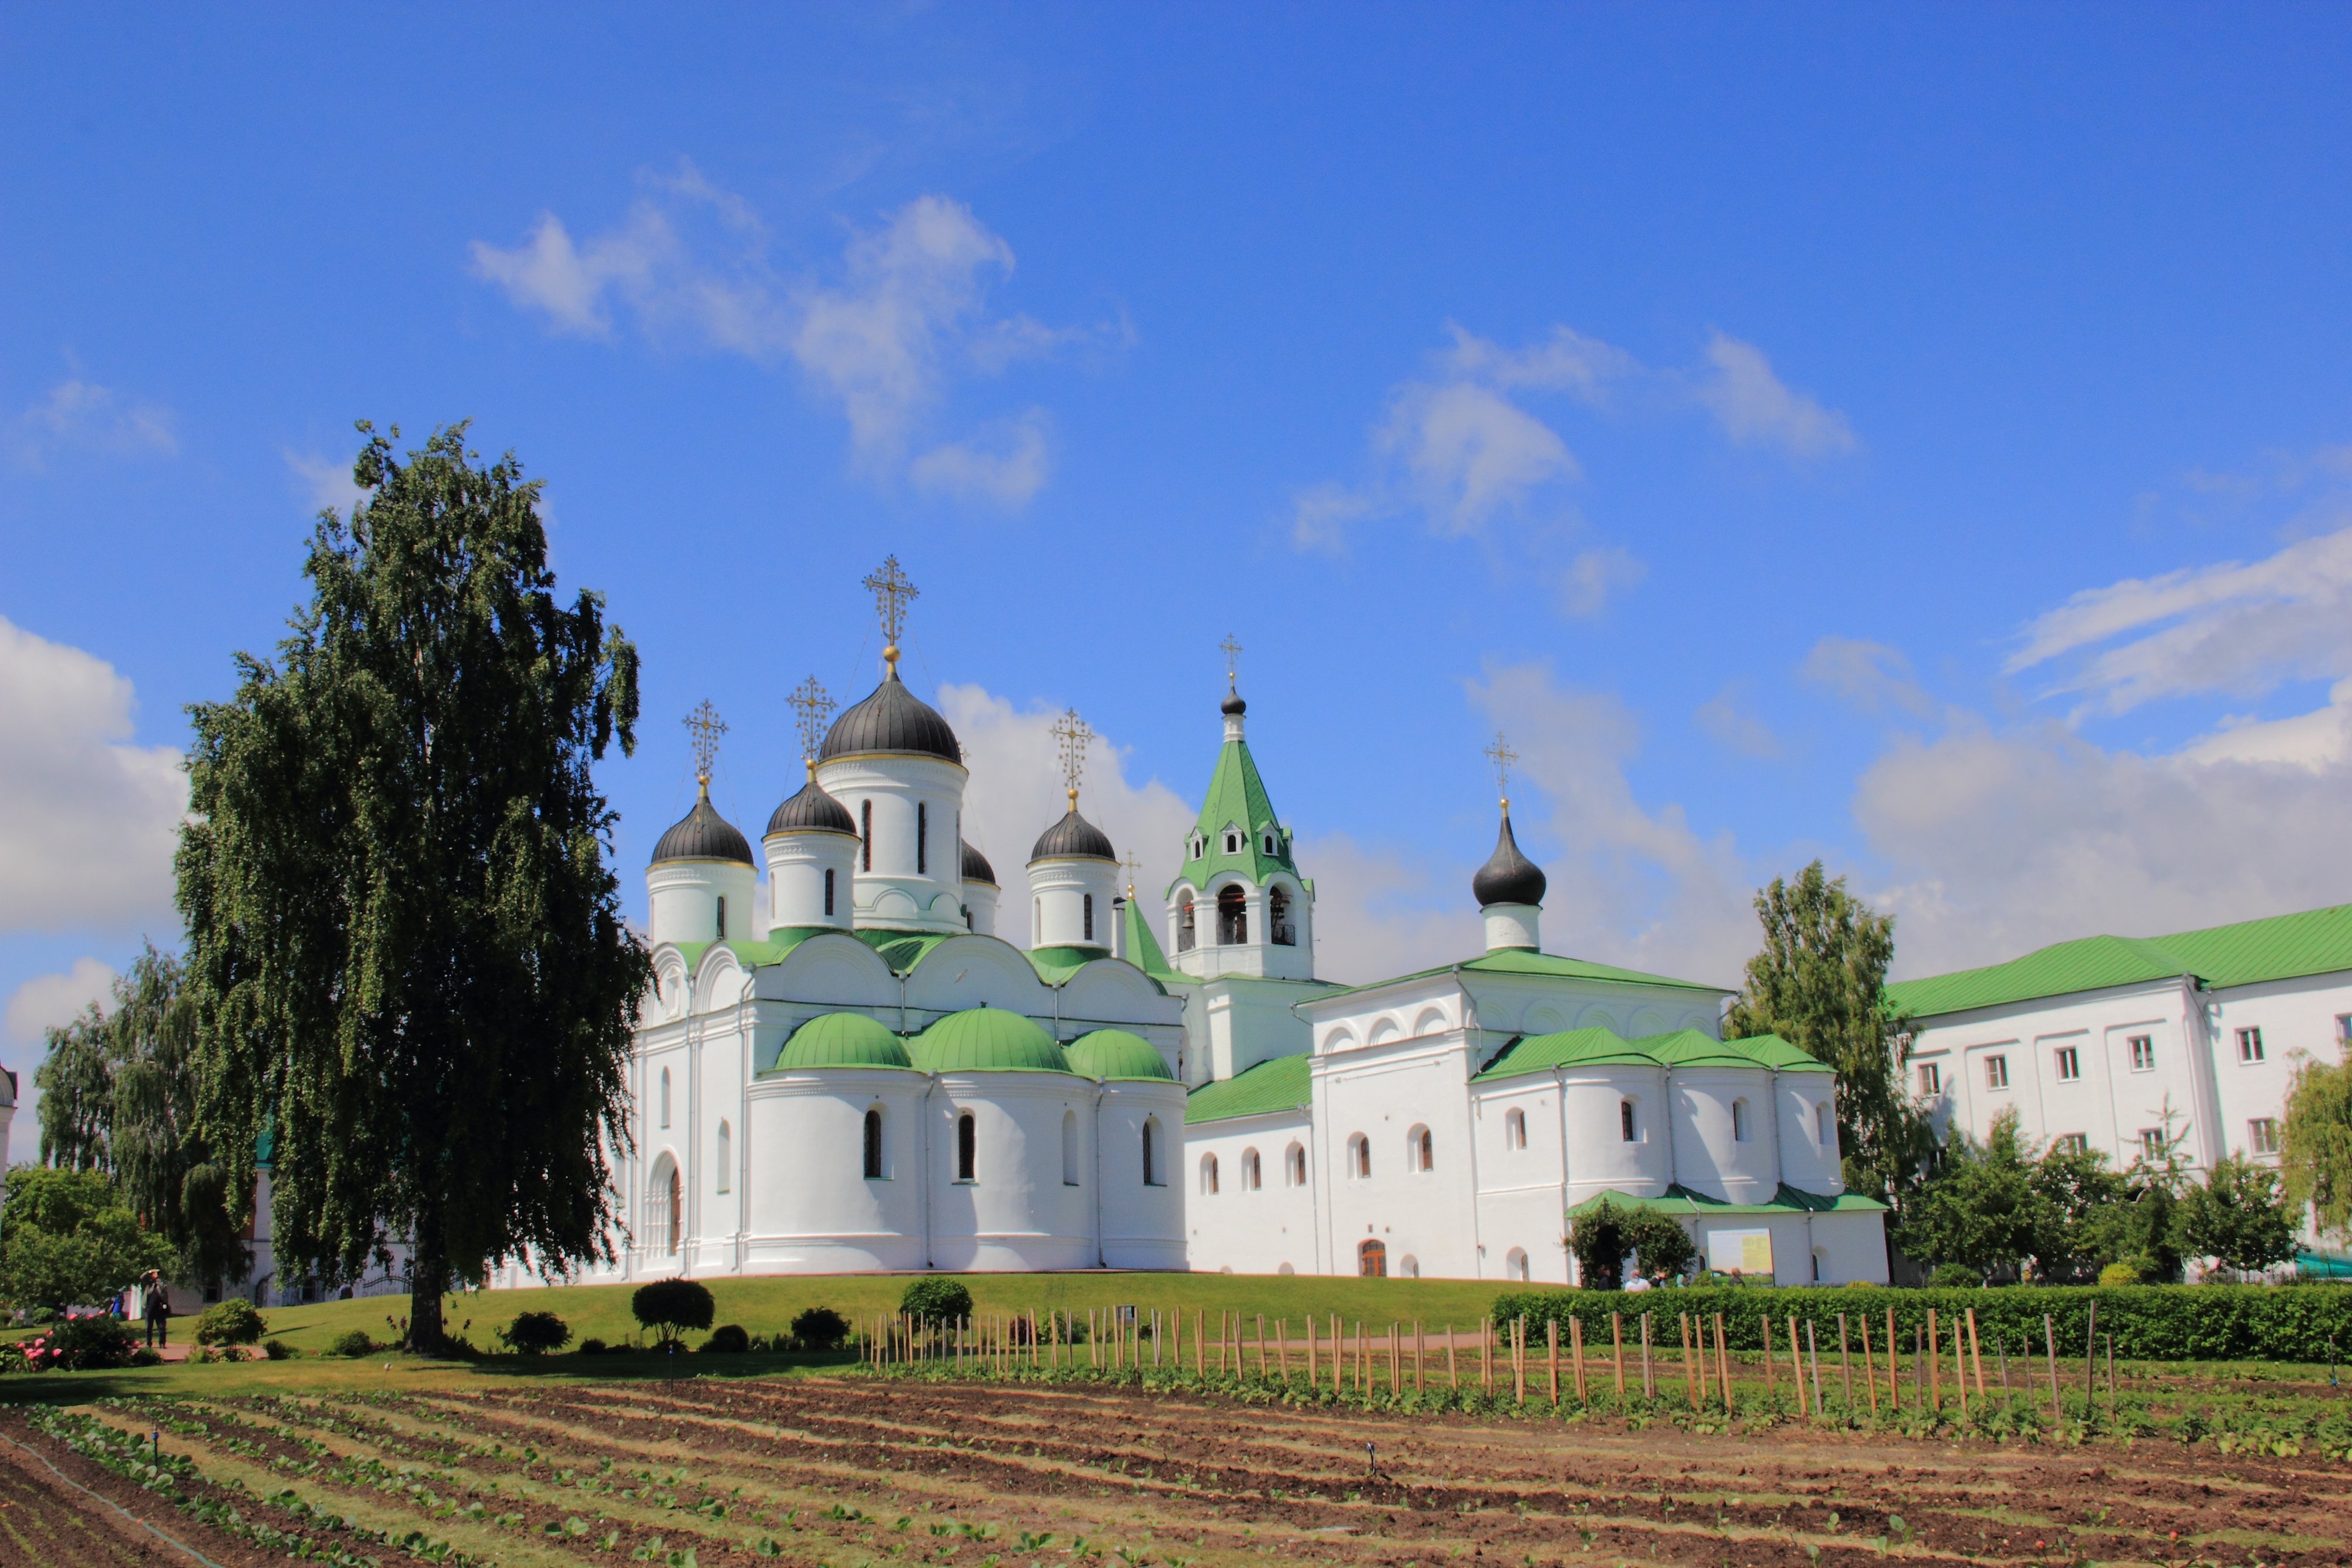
(2142,1053)
(828,892)
(722,917)
(2344,1029)
(1931,1078)
(2070,1064)
(2071,1143)
(1996,1072)
(2151,1142)
(2262,1135)
(2249,1045)
(922,837)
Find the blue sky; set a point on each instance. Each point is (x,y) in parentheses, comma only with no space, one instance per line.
(1915,436)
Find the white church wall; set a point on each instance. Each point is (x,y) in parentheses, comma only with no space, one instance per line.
(1599,1157)
(1520,1161)
(1071,901)
(1112,994)
(833,973)
(813,1210)
(965,972)
(1851,1249)
(1017,1211)
(1807,1132)
(798,864)
(684,898)
(2306,1016)
(1142,1221)
(916,877)
(1709,1156)
(1267,1227)
(1384,1093)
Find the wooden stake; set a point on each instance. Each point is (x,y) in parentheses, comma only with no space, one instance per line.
(1617,1351)
(2090,1358)
(1486,1354)
(1576,1353)
(1797,1365)
(1649,1383)
(2049,1344)
(1551,1355)
(1869,1372)
(1453,1373)
(1935,1369)
(1813,1355)
(1396,1357)
(1311,1380)
(1771,1379)
(1420,1350)
(1200,1347)
(1961,1368)
(1845,1364)
(1976,1351)
(1894,1378)
(1690,1369)
(1261,1347)
(1282,1346)
(1723,1363)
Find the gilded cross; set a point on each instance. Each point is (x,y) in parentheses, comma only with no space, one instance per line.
(1074,736)
(891,591)
(811,707)
(1501,755)
(1232,651)
(1134,869)
(706,726)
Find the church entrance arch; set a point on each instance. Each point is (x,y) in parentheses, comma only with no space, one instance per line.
(1372,1260)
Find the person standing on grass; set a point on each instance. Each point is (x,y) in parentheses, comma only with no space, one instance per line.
(157,1309)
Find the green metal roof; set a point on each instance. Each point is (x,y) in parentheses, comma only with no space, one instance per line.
(1055,965)
(1680,1048)
(1143,946)
(1272,1086)
(902,950)
(1680,1201)
(987,1039)
(1569,1048)
(842,1040)
(2281,947)
(1237,797)
(1523,961)
(1112,1054)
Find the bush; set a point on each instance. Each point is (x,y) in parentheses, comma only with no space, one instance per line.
(2151,1322)
(820,1328)
(232,1321)
(1959,1277)
(727,1339)
(592,1347)
(669,1307)
(933,1299)
(81,1344)
(354,1344)
(2119,1274)
(535,1334)
(278,1350)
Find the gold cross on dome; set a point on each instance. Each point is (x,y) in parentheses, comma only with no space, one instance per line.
(811,707)
(891,590)
(1134,869)
(1232,651)
(1072,733)
(706,726)
(1501,755)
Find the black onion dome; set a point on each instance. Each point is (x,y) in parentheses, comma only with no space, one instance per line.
(892,720)
(976,867)
(1074,837)
(812,810)
(703,835)
(1509,876)
(1233,706)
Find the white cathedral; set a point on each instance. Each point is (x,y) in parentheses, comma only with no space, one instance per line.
(880,1065)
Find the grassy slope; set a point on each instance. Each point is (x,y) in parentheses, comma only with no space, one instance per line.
(768,1305)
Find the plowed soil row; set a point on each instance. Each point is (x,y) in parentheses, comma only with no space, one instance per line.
(45,1522)
(856,1470)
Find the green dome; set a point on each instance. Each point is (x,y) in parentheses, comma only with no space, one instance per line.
(987,1039)
(842,1040)
(1114,1053)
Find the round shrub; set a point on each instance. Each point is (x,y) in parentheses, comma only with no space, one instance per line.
(535,1334)
(82,1345)
(592,1347)
(354,1344)
(820,1328)
(278,1350)
(727,1339)
(2118,1274)
(1955,1277)
(232,1321)
(933,1299)
(670,1307)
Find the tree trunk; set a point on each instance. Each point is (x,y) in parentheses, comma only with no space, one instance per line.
(429,1276)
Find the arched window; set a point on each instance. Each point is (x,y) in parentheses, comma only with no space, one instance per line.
(1419,1150)
(665,1097)
(828,892)
(1069,1148)
(1208,1175)
(1151,1176)
(662,1209)
(1739,1120)
(1233,842)
(1277,917)
(1625,1129)
(1514,1129)
(1372,1260)
(866,835)
(922,837)
(1086,919)
(874,1142)
(722,917)
(1186,928)
(1232,918)
(966,1147)
(1360,1156)
(1825,1127)
(1819,1256)
(1515,1264)
(1268,840)
(723,1157)
(1251,1177)
(1297,1163)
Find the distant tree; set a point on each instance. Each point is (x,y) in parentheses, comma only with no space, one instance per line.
(405,948)
(1819,983)
(935,1300)
(67,1239)
(1980,1207)
(820,1328)
(669,1307)
(2075,1190)
(535,1334)
(2238,1217)
(1602,1237)
(76,1079)
(2315,1143)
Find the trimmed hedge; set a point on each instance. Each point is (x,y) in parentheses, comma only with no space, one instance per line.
(2150,1323)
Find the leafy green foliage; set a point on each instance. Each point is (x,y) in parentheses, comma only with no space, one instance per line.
(2005,1209)
(66,1239)
(535,1334)
(1820,984)
(353,1344)
(669,1307)
(935,1300)
(406,950)
(727,1339)
(2238,1217)
(230,1322)
(86,1344)
(1955,1277)
(2315,1143)
(1604,1235)
(820,1328)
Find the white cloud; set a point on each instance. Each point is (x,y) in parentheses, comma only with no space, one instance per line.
(49,1001)
(1595,576)
(904,318)
(1566,362)
(1321,515)
(88,821)
(326,482)
(80,416)
(1872,676)
(1758,409)
(1466,450)
(1724,718)
(1378,913)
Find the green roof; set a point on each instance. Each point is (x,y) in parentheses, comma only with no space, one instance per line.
(1143,946)
(842,1040)
(987,1039)
(1679,1200)
(1237,797)
(1055,965)
(1109,1053)
(1523,961)
(2279,948)
(1680,1048)
(1271,1087)
(902,950)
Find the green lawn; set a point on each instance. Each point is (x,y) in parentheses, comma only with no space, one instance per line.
(767,1305)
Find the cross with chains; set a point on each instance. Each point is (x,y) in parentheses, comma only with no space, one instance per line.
(891,591)
(811,707)
(1501,755)
(706,726)
(1071,731)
